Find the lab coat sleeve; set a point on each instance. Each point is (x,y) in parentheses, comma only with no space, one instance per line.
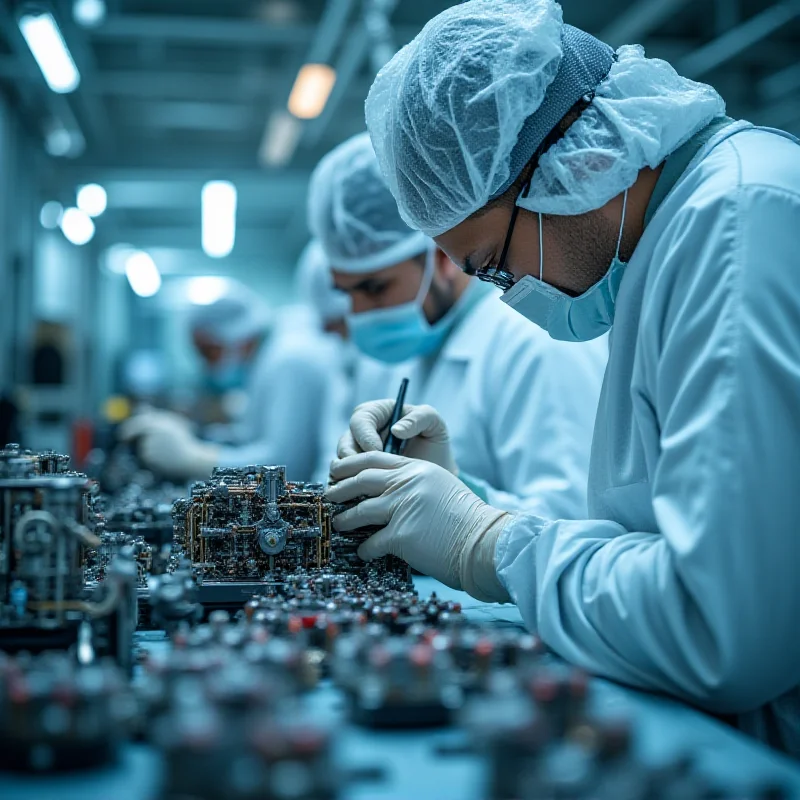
(292,398)
(705,608)
(540,419)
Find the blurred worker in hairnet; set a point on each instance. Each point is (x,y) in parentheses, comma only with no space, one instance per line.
(498,383)
(285,378)
(601,188)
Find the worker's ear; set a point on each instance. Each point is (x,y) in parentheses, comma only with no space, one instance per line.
(444,266)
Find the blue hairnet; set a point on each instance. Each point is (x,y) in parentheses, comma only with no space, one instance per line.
(353,214)
(456,113)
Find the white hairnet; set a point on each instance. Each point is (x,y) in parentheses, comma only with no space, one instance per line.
(314,285)
(353,214)
(457,113)
(237,315)
(641,113)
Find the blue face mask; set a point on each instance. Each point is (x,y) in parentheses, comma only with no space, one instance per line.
(226,376)
(401,332)
(570,319)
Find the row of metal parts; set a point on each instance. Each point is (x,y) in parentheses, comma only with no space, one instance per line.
(237,708)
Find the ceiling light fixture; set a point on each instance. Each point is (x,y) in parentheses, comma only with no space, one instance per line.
(219,218)
(51,214)
(143,274)
(281,137)
(77,226)
(92,199)
(311,90)
(89,13)
(43,36)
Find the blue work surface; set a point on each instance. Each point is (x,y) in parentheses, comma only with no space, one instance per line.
(414,770)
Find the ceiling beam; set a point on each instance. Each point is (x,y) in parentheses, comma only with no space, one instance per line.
(329,31)
(202,30)
(780,83)
(726,47)
(349,63)
(640,20)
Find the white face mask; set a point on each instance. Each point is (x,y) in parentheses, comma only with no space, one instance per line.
(570,319)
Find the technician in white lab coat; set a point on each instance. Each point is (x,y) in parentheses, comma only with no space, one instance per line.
(601,189)
(286,379)
(498,382)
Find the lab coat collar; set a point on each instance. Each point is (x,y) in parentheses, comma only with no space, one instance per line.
(463,342)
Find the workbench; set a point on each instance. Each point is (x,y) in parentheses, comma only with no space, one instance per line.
(412,761)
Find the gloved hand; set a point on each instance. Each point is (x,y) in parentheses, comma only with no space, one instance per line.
(432,520)
(167,445)
(422,427)
(148,416)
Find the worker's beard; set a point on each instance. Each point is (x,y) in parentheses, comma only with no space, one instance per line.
(441,297)
(587,245)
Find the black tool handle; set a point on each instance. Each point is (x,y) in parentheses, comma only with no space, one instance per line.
(393,444)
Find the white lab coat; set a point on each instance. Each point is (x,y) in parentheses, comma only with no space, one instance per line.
(685,576)
(287,392)
(519,406)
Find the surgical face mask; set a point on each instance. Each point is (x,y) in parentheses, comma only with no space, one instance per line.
(570,319)
(227,375)
(401,332)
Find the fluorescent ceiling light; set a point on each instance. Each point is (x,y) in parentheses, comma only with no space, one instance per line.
(50,215)
(311,90)
(115,258)
(280,139)
(92,199)
(219,218)
(207,289)
(143,274)
(77,226)
(45,41)
(62,142)
(89,13)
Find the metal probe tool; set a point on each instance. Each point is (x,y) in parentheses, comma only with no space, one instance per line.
(394,444)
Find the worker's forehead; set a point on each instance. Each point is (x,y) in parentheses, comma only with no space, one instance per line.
(349,279)
(475,234)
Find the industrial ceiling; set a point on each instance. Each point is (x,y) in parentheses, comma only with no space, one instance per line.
(177,92)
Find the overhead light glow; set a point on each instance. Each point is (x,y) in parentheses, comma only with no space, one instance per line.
(311,90)
(92,199)
(50,215)
(205,290)
(280,139)
(45,41)
(115,258)
(77,226)
(219,218)
(89,13)
(143,274)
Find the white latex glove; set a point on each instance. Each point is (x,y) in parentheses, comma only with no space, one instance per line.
(148,416)
(166,444)
(422,427)
(430,518)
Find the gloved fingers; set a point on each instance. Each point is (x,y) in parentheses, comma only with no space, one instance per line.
(368,483)
(372,511)
(369,425)
(368,421)
(421,421)
(135,427)
(352,465)
(378,545)
(347,446)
